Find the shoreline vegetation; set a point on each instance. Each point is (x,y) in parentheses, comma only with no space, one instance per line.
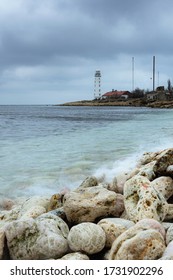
(135,102)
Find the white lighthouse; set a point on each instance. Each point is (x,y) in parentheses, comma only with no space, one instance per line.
(97,84)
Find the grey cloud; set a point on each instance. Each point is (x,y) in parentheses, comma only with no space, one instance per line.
(67,39)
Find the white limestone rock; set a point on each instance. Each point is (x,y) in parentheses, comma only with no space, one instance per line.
(33,212)
(138,244)
(75,256)
(88,238)
(42,238)
(168,253)
(86,205)
(113,227)
(169,234)
(164,184)
(34,201)
(7,216)
(141,200)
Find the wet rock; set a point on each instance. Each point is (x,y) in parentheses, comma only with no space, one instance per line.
(87,237)
(42,238)
(164,185)
(113,227)
(86,205)
(146,170)
(141,200)
(75,256)
(88,182)
(163,160)
(55,202)
(138,243)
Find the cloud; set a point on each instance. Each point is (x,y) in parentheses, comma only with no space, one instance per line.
(55,46)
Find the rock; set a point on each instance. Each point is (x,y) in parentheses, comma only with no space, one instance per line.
(113,227)
(88,182)
(6,204)
(151,224)
(55,202)
(141,200)
(164,185)
(169,215)
(169,234)
(163,160)
(2,243)
(8,216)
(33,202)
(86,205)
(166,225)
(42,238)
(146,170)
(169,170)
(59,212)
(168,253)
(75,256)
(118,182)
(138,243)
(147,158)
(33,212)
(86,237)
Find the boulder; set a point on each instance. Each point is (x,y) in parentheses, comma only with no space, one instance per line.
(140,242)
(141,200)
(163,160)
(55,202)
(113,227)
(42,238)
(88,182)
(164,185)
(33,212)
(87,237)
(75,256)
(168,253)
(86,205)
(169,215)
(8,216)
(169,234)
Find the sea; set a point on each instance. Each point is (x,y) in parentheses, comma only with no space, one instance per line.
(46,149)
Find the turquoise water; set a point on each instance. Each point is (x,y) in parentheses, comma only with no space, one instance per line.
(44,149)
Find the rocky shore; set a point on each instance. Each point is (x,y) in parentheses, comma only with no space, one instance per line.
(130,218)
(135,102)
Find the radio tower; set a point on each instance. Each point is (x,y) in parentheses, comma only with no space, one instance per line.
(97,84)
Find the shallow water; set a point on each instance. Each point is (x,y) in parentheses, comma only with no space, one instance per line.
(47,148)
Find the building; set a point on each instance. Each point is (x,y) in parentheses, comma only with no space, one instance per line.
(160,95)
(115,94)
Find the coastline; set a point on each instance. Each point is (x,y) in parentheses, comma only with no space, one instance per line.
(131,102)
(135,208)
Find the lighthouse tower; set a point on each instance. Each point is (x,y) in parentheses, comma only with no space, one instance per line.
(97,84)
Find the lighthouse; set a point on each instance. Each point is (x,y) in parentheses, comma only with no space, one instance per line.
(97,84)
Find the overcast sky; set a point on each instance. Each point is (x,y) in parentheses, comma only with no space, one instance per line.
(50,49)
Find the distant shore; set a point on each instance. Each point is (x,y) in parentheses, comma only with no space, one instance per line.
(130,102)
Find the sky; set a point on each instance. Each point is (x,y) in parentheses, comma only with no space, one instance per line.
(50,49)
